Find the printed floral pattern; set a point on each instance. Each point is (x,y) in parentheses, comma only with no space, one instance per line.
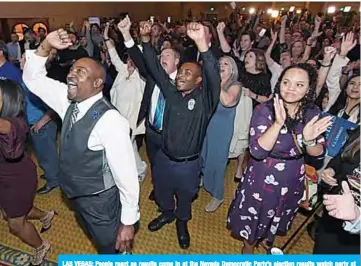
(267,200)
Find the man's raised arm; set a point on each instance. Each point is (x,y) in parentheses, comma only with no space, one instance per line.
(52,92)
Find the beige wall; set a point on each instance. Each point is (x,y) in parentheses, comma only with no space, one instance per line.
(60,13)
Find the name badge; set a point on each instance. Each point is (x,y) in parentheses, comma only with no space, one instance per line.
(191,104)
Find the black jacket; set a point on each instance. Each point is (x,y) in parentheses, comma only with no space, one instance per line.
(137,57)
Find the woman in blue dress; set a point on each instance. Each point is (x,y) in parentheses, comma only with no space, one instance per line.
(219,133)
(282,130)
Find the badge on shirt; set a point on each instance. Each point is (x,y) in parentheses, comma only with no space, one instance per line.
(191,104)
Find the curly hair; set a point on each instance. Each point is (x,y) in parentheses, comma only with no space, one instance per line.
(308,101)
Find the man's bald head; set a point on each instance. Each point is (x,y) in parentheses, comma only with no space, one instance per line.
(85,79)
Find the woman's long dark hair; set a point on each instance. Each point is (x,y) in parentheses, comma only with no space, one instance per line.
(13,100)
(352,145)
(342,98)
(308,101)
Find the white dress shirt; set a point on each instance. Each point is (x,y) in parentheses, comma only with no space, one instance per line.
(127,93)
(111,132)
(156,90)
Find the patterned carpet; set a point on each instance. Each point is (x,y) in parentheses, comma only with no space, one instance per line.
(208,232)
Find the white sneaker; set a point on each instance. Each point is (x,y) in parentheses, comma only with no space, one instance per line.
(213,205)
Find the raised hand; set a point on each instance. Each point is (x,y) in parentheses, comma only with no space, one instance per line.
(318,21)
(106,30)
(196,32)
(314,37)
(315,127)
(284,19)
(348,43)
(59,39)
(343,206)
(274,35)
(124,25)
(280,111)
(221,26)
(145,28)
(329,53)
(86,24)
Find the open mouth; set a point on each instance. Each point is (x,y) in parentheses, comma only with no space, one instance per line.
(180,82)
(72,85)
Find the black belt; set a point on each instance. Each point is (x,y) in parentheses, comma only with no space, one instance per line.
(293,158)
(182,159)
(149,125)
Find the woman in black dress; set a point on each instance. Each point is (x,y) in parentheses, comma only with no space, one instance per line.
(18,176)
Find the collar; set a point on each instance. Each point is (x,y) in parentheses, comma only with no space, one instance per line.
(173,75)
(85,105)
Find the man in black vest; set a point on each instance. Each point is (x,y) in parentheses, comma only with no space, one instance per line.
(97,165)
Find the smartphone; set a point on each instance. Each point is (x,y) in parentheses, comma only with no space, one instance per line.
(292,9)
(169,19)
(151,19)
(262,32)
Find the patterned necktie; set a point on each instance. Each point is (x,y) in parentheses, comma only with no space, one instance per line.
(74,115)
(158,115)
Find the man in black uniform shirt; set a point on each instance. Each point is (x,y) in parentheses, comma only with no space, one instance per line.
(191,101)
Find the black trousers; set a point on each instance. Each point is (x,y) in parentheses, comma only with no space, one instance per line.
(153,141)
(180,179)
(99,216)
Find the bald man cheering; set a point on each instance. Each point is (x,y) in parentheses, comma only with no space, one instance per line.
(97,166)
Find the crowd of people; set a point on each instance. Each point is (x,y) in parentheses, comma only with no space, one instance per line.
(200,93)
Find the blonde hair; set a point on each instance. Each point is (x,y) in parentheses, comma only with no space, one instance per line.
(234,72)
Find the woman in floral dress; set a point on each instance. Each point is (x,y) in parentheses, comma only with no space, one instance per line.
(282,130)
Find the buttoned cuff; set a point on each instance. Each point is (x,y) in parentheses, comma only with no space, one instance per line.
(129,44)
(130,215)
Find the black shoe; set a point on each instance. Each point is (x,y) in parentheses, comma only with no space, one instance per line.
(236,179)
(184,238)
(195,197)
(152,196)
(159,222)
(45,189)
